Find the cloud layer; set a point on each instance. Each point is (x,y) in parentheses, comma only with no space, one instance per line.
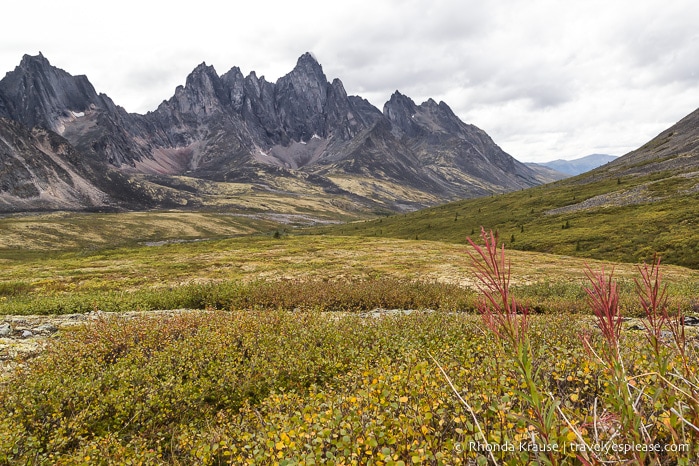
(545,79)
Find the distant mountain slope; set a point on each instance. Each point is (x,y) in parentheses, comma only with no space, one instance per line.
(41,171)
(243,129)
(550,173)
(675,150)
(642,203)
(581,165)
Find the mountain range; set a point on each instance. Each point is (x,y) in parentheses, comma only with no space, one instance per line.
(580,165)
(222,140)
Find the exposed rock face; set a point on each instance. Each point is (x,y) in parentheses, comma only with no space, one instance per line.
(38,94)
(41,170)
(401,110)
(301,98)
(243,128)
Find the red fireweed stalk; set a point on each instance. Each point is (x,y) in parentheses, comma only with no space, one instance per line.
(509,323)
(652,295)
(498,308)
(603,298)
(689,367)
(676,325)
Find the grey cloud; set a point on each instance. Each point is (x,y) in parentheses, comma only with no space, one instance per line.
(157,77)
(660,45)
(545,78)
(679,65)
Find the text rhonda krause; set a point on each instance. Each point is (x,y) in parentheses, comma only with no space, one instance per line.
(577,447)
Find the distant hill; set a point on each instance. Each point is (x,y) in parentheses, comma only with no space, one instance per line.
(642,203)
(581,165)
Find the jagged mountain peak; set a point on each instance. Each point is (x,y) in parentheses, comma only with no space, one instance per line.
(203,95)
(400,111)
(256,80)
(39,64)
(441,117)
(32,65)
(301,98)
(203,68)
(308,59)
(399,101)
(307,71)
(202,74)
(428,117)
(37,93)
(234,81)
(398,96)
(33,60)
(233,72)
(339,88)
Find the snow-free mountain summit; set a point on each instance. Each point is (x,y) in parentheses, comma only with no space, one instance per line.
(301,136)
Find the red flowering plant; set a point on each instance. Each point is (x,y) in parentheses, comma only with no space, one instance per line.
(509,322)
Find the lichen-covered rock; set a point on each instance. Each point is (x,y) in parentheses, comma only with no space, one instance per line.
(45,328)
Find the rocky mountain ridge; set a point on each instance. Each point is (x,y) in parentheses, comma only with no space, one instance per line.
(242,129)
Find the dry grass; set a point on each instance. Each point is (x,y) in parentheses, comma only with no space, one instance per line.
(306,258)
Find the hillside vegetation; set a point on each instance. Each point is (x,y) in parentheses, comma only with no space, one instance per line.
(627,220)
(643,203)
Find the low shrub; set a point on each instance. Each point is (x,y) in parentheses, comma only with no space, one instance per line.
(348,296)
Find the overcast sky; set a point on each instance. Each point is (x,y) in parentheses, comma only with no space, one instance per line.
(546,79)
